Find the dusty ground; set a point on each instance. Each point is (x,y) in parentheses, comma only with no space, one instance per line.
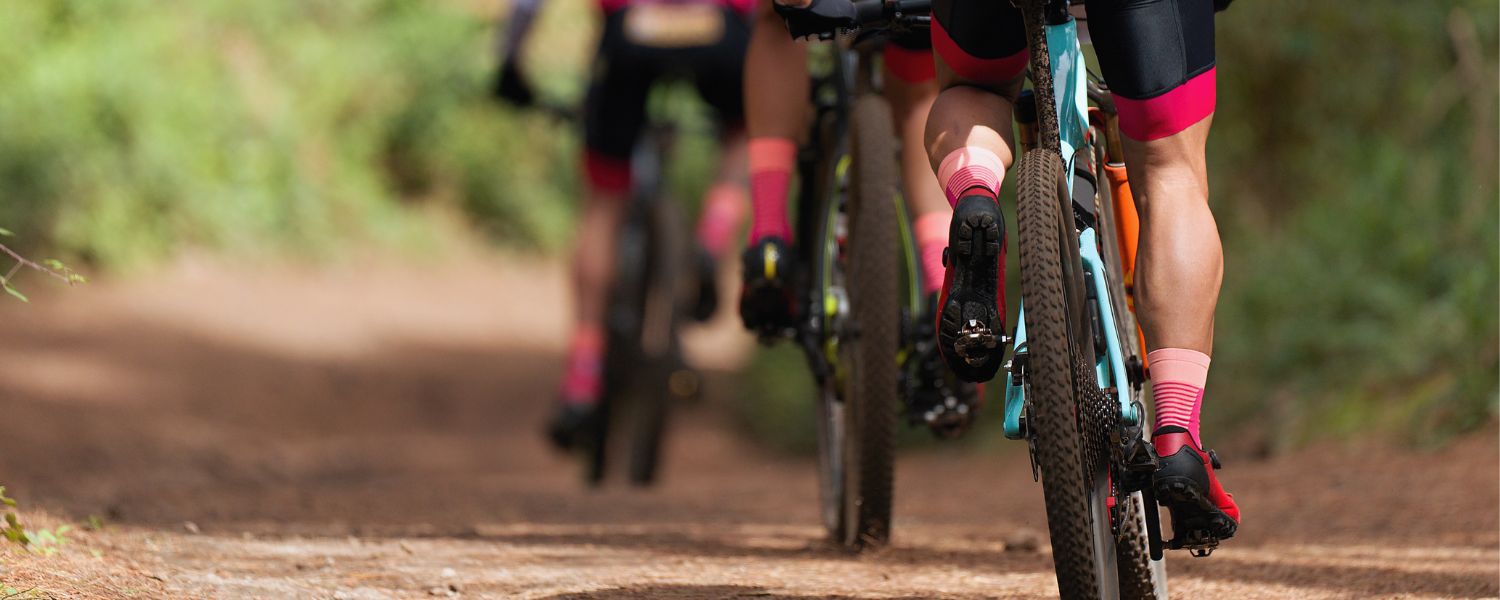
(371,433)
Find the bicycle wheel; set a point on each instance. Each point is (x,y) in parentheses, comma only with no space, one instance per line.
(1051,284)
(623,320)
(660,348)
(869,355)
(1141,578)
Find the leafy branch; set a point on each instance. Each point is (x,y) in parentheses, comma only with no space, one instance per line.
(51,267)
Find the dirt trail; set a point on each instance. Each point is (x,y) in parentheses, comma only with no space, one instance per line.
(371,433)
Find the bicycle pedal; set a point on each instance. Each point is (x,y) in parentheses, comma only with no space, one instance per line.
(1198,543)
(949,418)
(975,342)
(1138,463)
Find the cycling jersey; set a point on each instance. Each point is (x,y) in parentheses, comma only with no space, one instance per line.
(1156,55)
(743,7)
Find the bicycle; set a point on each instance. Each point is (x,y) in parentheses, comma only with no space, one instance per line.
(857,283)
(1074,382)
(651,296)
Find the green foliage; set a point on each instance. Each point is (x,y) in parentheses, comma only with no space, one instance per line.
(12,530)
(134,129)
(776,400)
(1357,200)
(45,542)
(50,266)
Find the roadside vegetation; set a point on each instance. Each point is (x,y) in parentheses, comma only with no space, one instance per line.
(1354,164)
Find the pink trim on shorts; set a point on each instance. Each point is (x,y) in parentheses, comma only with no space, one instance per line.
(911,66)
(1169,113)
(968,167)
(993,71)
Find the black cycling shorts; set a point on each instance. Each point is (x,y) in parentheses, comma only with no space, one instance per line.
(1156,55)
(625,69)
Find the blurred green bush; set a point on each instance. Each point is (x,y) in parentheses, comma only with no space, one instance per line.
(1354,163)
(130,129)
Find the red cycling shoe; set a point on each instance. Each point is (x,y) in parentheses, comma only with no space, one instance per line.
(971,307)
(1202,512)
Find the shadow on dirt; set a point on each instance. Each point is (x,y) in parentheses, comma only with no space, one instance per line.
(720,542)
(1360,581)
(147,424)
(720,592)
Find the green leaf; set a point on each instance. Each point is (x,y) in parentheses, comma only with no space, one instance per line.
(12,291)
(6,232)
(55,264)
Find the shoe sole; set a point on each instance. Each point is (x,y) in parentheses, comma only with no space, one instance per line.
(971,332)
(1194,515)
(763,309)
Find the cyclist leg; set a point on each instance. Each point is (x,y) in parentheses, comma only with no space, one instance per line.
(980,48)
(776,99)
(946,406)
(614,116)
(911,87)
(1158,57)
(718,73)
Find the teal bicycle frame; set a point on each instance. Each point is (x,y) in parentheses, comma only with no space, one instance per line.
(1070,87)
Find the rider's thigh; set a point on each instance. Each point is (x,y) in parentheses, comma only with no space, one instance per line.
(615,107)
(1158,58)
(719,70)
(979,43)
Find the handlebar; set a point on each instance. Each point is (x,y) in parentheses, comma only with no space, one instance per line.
(902,12)
(894,14)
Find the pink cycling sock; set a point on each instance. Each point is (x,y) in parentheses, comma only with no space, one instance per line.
(723,210)
(771,163)
(1177,379)
(931,231)
(583,374)
(967,168)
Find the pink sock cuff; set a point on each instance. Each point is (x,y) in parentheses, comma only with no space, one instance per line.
(931,231)
(932,227)
(968,167)
(587,340)
(723,211)
(772,154)
(1178,365)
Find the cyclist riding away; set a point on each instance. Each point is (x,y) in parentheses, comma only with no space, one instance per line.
(641,43)
(1158,58)
(776,106)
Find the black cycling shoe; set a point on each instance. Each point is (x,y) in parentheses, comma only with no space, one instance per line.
(708,286)
(573,425)
(971,330)
(939,399)
(767,301)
